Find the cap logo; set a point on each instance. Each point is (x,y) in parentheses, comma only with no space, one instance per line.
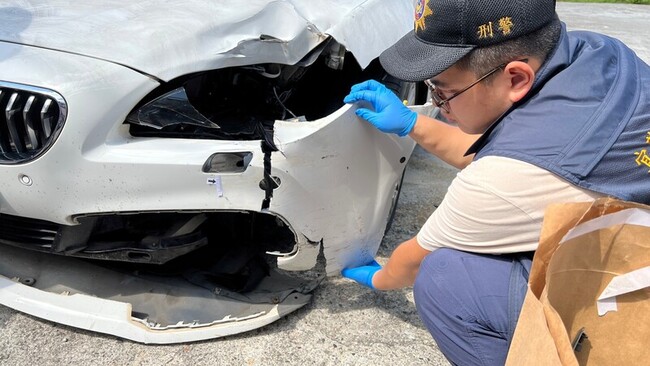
(487,30)
(642,157)
(505,25)
(422,11)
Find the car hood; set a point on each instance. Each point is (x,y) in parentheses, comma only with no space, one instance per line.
(169,39)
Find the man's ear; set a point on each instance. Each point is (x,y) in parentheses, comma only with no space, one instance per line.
(521,77)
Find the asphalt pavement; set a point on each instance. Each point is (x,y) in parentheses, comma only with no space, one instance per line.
(344,324)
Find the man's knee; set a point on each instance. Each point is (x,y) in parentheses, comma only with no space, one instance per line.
(435,267)
(434,278)
(462,298)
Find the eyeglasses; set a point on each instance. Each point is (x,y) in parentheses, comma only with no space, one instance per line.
(443,103)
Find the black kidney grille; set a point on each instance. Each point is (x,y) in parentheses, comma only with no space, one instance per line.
(32,232)
(30,120)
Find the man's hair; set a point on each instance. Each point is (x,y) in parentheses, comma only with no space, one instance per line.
(538,44)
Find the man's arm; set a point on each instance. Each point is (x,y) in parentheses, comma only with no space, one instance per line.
(402,267)
(400,271)
(445,141)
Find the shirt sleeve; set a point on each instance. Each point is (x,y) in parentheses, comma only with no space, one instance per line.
(496,205)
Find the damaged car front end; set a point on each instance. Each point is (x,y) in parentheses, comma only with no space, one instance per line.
(165,173)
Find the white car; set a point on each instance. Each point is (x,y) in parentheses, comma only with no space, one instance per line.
(164,165)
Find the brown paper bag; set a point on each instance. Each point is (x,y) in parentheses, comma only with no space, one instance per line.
(568,277)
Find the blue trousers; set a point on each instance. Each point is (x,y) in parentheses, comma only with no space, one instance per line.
(470,303)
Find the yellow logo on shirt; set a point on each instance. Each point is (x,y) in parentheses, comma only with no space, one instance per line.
(642,156)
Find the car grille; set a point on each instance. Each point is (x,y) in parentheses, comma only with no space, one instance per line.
(24,231)
(30,120)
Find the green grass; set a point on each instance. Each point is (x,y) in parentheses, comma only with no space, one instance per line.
(644,2)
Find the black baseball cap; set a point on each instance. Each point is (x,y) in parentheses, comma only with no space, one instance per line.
(446,30)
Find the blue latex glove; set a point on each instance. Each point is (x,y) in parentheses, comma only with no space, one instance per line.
(362,274)
(390,114)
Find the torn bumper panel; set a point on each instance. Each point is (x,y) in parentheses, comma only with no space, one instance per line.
(82,295)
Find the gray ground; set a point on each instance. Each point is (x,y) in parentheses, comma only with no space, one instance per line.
(345,324)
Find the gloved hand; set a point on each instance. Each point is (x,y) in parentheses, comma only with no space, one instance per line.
(390,114)
(362,274)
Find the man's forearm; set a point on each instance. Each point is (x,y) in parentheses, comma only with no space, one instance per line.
(402,267)
(445,141)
